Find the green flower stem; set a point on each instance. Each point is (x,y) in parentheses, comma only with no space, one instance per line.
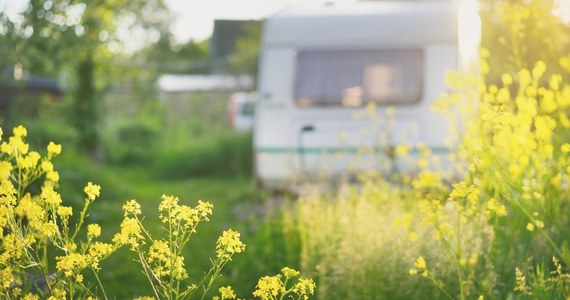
(81,218)
(148,275)
(438,285)
(100,284)
(529,216)
(217,269)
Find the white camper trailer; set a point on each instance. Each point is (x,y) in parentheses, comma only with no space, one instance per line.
(320,66)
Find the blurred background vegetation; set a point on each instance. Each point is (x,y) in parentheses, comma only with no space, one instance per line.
(70,73)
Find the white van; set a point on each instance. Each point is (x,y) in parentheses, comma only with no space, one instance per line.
(320,66)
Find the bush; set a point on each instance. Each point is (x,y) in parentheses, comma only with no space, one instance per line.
(222,153)
(132,142)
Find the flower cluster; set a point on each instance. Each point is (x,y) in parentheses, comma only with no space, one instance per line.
(278,287)
(164,263)
(228,244)
(34,223)
(420,267)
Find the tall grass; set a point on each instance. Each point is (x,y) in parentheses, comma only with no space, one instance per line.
(221,153)
(499,232)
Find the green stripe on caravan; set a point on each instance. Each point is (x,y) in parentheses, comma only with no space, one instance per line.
(320,150)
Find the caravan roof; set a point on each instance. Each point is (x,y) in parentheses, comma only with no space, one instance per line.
(364,23)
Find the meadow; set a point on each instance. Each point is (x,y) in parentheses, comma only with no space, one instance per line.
(499,230)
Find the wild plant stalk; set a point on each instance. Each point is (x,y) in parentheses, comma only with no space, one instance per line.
(35,230)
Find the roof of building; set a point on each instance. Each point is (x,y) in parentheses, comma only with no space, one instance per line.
(182,83)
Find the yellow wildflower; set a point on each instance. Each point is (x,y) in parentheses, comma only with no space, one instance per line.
(167,203)
(228,244)
(304,287)
(54,148)
(30,297)
(64,211)
(402,150)
(58,294)
(28,161)
(495,208)
(421,263)
(71,264)
(49,196)
(47,166)
(49,229)
(6,277)
(227,292)
(204,209)
(268,287)
(20,131)
(5,170)
(132,207)
(98,251)
(289,273)
(93,231)
(130,233)
(164,262)
(92,190)
(539,69)
(53,176)
(507,79)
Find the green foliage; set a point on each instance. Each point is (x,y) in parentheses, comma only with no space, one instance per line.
(47,254)
(217,153)
(168,57)
(72,39)
(132,142)
(246,57)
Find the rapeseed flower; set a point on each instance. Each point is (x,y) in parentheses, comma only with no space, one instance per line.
(131,234)
(289,273)
(132,207)
(304,287)
(53,148)
(227,292)
(92,190)
(268,287)
(228,244)
(71,264)
(93,231)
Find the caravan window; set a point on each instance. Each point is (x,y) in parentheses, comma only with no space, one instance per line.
(353,78)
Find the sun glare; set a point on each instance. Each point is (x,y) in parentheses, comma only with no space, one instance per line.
(469,31)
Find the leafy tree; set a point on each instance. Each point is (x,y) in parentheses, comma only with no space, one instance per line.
(167,56)
(246,57)
(80,38)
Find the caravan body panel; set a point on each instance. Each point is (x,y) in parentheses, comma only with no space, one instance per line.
(319,69)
